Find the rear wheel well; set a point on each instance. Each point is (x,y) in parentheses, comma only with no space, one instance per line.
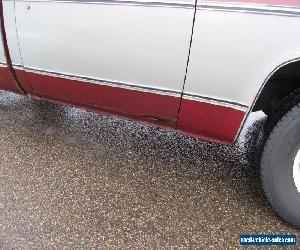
(280,93)
(282,86)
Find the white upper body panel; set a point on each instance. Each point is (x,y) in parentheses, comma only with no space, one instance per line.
(11,32)
(2,55)
(234,51)
(145,43)
(140,45)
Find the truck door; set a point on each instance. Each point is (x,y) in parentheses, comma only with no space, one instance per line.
(122,56)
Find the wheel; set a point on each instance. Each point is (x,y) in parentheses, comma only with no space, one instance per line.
(280,166)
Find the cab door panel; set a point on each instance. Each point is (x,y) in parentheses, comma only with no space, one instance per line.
(14,52)
(108,50)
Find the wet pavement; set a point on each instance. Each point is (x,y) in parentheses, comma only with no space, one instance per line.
(74,179)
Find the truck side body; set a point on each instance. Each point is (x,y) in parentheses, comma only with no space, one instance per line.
(197,67)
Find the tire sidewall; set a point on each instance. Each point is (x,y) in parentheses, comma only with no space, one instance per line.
(277,168)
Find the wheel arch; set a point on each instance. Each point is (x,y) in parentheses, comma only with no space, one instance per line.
(270,87)
(280,83)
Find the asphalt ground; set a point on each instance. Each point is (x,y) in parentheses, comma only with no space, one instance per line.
(71,179)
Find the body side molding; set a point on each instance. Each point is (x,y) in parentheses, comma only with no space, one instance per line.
(157,106)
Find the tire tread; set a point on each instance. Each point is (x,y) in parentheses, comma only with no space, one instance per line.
(289,116)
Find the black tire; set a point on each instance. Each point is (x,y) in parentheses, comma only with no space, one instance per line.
(277,164)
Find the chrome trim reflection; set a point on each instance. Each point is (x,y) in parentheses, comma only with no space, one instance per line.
(216,101)
(251,8)
(205,99)
(169,4)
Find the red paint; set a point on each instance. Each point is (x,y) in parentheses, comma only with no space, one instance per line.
(22,78)
(292,3)
(6,80)
(110,99)
(197,119)
(209,121)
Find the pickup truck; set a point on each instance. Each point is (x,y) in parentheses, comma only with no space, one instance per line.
(196,67)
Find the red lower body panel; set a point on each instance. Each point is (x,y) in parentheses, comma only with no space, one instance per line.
(209,121)
(6,80)
(198,119)
(139,104)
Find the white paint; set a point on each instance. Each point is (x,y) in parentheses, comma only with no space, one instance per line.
(138,45)
(233,53)
(2,55)
(122,2)
(11,34)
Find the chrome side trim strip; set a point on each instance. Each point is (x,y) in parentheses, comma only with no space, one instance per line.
(106,82)
(18,66)
(216,101)
(188,96)
(250,8)
(169,4)
(246,3)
